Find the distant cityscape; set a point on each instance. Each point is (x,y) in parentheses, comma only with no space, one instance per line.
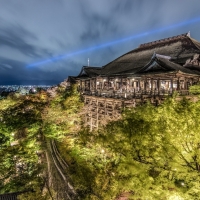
(22,89)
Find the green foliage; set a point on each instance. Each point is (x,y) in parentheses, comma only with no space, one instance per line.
(6,103)
(62,114)
(23,124)
(195,89)
(35,194)
(150,153)
(20,124)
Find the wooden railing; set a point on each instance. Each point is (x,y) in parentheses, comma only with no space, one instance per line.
(135,94)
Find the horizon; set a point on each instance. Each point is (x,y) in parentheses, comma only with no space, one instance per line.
(30,82)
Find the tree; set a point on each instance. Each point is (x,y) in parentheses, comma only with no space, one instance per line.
(195,89)
(61,116)
(20,124)
(158,147)
(152,152)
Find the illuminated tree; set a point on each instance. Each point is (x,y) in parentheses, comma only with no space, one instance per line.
(61,116)
(195,89)
(152,152)
(20,124)
(158,149)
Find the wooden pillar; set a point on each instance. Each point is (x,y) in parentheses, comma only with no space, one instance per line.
(158,84)
(139,85)
(185,83)
(81,85)
(133,84)
(113,110)
(151,84)
(171,84)
(95,84)
(192,80)
(115,83)
(97,117)
(84,84)
(90,84)
(178,84)
(145,84)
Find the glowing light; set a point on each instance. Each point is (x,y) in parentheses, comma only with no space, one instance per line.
(182,183)
(136,36)
(102,151)
(175,197)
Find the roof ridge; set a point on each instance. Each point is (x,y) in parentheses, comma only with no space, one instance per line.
(164,40)
(195,42)
(175,66)
(90,67)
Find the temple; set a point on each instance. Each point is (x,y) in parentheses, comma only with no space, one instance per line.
(152,71)
(162,66)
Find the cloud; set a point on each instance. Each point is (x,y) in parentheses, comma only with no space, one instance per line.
(5,66)
(17,38)
(14,70)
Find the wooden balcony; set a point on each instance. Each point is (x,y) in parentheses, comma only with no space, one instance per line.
(134,94)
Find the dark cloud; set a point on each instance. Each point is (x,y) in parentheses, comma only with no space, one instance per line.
(5,66)
(15,71)
(15,37)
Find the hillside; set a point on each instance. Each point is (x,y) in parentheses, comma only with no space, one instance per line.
(151,152)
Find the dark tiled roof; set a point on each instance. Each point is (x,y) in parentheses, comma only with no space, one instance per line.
(163,65)
(71,79)
(90,71)
(179,48)
(196,43)
(175,67)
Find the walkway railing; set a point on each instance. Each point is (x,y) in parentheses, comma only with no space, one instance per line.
(135,94)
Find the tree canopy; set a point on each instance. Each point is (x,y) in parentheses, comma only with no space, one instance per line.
(151,152)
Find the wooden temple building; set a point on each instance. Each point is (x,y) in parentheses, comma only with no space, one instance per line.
(152,71)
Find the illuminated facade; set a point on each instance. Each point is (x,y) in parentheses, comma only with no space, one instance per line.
(163,66)
(148,73)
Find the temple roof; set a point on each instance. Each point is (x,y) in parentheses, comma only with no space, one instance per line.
(179,48)
(88,71)
(71,79)
(161,64)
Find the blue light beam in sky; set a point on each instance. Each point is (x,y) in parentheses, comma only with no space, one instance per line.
(61,57)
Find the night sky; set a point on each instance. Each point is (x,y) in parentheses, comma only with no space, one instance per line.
(32,31)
